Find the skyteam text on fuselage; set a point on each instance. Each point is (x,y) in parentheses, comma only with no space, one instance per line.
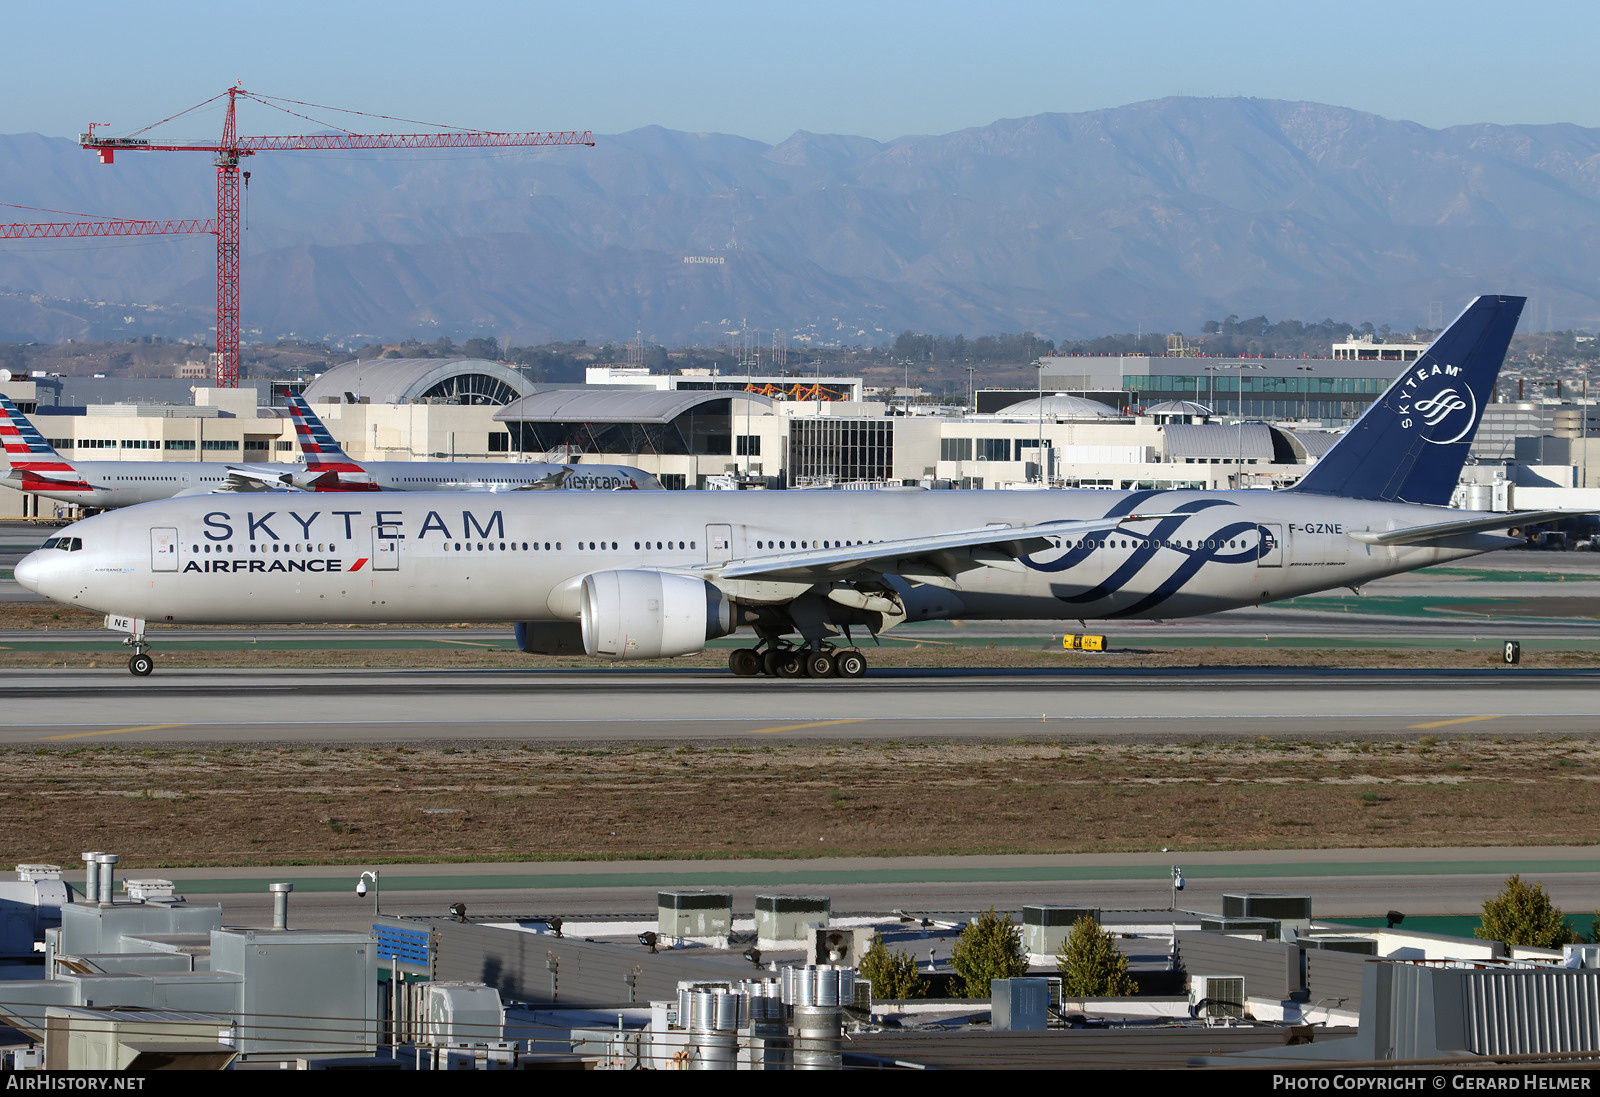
(650,575)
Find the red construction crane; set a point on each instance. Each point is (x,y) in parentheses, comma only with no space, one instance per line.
(49,230)
(232,147)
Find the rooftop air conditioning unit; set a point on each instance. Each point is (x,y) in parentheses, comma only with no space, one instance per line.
(1216,997)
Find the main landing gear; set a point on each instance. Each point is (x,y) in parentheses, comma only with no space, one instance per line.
(787,662)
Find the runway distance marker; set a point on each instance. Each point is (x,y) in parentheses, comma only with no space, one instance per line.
(112,731)
(1457,720)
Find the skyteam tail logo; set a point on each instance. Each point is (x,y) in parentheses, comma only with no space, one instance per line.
(1435,401)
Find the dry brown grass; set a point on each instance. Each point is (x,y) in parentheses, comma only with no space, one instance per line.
(467,802)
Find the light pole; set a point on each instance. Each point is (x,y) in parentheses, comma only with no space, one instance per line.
(1043,479)
(377,891)
(1305,386)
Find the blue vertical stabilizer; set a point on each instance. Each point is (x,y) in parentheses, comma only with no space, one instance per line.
(1411,443)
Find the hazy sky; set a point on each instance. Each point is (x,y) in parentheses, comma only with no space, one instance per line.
(880,69)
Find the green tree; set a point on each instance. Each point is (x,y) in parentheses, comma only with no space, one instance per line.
(990,947)
(1522,914)
(893,975)
(1091,964)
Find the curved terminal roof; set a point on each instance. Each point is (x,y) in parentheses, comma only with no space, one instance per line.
(1059,406)
(1218,441)
(1178,407)
(1311,444)
(613,405)
(419,380)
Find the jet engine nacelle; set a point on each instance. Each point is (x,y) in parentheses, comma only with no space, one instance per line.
(650,614)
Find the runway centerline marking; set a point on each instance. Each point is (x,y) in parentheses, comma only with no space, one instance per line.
(1457,720)
(113,731)
(818,724)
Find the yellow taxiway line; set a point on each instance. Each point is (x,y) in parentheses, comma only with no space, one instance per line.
(1457,720)
(818,724)
(112,731)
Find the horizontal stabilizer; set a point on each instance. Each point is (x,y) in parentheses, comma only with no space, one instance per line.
(66,479)
(1419,535)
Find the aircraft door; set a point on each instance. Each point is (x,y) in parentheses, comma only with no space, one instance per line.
(163,549)
(385,548)
(719,544)
(1269,554)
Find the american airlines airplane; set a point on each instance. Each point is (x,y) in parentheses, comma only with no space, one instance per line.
(103,485)
(651,575)
(328,468)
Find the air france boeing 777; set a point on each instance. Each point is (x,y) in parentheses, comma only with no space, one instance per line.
(37,468)
(645,575)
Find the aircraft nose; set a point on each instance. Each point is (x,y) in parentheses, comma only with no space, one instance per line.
(31,570)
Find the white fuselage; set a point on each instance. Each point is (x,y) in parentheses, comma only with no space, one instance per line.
(500,476)
(114,484)
(491,558)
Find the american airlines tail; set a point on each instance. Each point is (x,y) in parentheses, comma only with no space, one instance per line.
(325,459)
(1410,445)
(35,464)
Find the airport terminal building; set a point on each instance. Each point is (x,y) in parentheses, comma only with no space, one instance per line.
(1115,422)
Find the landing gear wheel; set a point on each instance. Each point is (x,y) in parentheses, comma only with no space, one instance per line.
(745,662)
(770,660)
(820,664)
(141,664)
(850,664)
(791,664)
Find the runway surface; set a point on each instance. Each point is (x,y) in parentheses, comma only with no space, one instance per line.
(62,707)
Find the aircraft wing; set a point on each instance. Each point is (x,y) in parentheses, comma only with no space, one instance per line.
(243,478)
(932,559)
(1437,531)
(552,482)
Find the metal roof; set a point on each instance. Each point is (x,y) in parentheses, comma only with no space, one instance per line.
(1058,406)
(1177,407)
(613,405)
(399,380)
(1313,443)
(1223,441)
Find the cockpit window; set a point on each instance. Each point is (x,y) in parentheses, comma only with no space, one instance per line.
(72,544)
(51,543)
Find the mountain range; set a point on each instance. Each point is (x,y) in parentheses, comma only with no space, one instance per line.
(1154,216)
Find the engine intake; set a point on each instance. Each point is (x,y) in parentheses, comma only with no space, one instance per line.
(650,614)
